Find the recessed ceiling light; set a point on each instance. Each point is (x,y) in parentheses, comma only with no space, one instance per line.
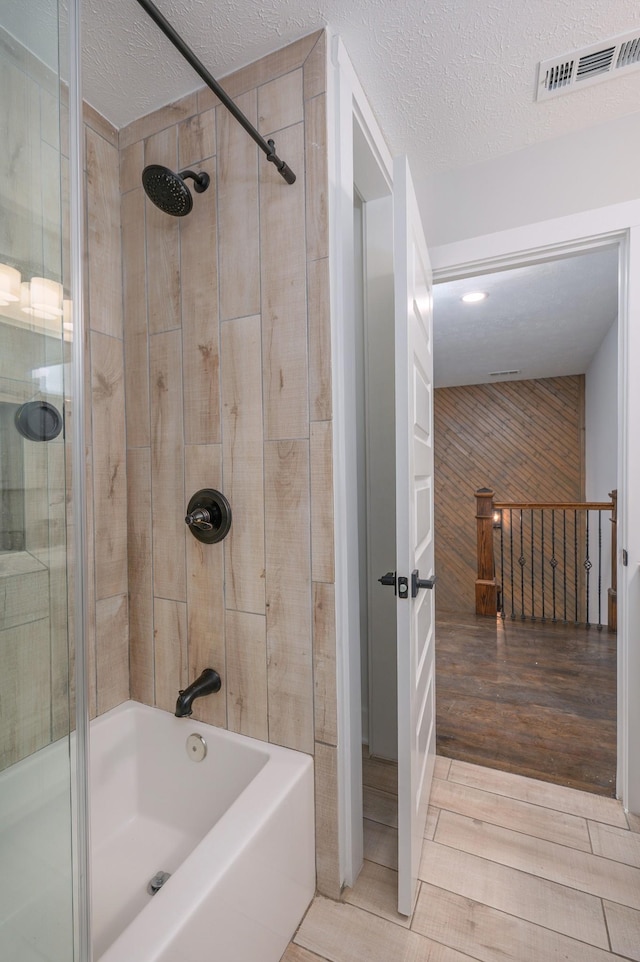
(473,297)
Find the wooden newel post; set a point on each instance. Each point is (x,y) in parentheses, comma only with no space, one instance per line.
(612,599)
(486,589)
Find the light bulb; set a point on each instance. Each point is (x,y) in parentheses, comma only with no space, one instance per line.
(9,284)
(28,307)
(46,297)
(67,314)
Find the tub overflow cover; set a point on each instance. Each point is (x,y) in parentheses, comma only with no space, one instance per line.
(196,747)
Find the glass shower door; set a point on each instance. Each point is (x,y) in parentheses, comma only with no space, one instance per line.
(36,658)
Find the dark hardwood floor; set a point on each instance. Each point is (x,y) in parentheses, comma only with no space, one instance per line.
(536,699)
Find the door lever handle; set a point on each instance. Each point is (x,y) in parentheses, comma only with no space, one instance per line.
(417,582)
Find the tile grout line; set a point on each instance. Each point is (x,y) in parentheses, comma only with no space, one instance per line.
(520,871)
(519,918)
(541,804)
(292,940)
(536,838)
(590,836)
(541,809)
(606,925)
(545,841)
(574,888)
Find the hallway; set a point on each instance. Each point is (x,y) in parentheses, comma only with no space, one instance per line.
(537,699)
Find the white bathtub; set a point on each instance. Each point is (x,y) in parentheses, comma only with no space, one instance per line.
(234,830)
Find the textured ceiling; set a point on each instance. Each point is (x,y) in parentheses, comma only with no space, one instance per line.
(451,81)
(547,320)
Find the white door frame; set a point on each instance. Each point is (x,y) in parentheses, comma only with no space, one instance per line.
(543,241)
(346,102)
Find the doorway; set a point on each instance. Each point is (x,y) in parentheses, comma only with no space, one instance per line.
(528,409)
(375,438)
(478,255)
(407,370)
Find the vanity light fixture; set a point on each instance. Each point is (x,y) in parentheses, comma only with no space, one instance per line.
(9,285)
(67,314)
(474,297)
(41,297)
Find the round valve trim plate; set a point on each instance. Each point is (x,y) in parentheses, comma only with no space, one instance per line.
(196,747)
(219,509)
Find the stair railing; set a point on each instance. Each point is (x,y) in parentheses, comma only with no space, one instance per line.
(545,561)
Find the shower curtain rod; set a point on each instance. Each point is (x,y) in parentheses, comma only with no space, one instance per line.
(268,146)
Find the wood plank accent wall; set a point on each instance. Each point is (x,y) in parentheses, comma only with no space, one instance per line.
(523,439)
(228,385)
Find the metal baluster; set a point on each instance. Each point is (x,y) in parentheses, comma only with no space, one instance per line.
(564,567)
(575,560)
(542,559)
(587,567)
(599,570)
(522,562)
(533,593)
(553,562)
(513,596)
(501,565)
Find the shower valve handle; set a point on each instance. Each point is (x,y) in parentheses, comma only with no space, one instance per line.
(200,518)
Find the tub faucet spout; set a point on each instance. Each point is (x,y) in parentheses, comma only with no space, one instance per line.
(206,684)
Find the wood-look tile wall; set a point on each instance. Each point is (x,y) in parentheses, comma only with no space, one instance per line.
(223,319)
(523,439)
(228,385)
(106,492)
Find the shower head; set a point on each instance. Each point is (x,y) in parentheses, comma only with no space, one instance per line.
(169,192)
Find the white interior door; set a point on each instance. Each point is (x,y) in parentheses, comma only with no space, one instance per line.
(414,530)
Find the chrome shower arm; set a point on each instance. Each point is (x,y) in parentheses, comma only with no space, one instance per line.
(268,146)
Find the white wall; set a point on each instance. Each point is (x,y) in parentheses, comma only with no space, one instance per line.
(577,172)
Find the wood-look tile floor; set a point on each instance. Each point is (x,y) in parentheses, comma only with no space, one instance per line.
(512,869)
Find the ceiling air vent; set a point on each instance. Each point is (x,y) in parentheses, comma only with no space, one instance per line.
(591,65)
